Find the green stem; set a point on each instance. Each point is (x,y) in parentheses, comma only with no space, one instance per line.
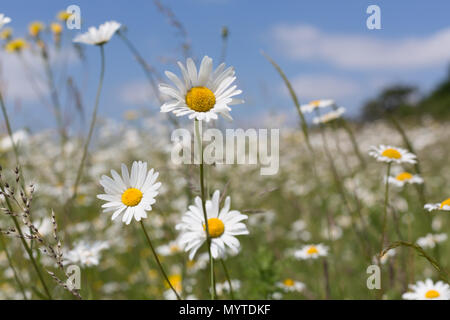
(16,275)
(27,249)
(55,98)
(227,275)
(158,262)
(205,216)
(303,123)
(363,237)
(386,199)
(148,70)
(10,133)
(326,280)
(8,127)
(91,128)
(420,187)
(349,131)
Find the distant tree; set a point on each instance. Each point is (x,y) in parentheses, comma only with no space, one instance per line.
(398,99)
(437,103)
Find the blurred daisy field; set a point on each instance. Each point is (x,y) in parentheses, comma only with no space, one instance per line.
(150,154)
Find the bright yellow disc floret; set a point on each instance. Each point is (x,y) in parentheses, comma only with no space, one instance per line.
(200,99)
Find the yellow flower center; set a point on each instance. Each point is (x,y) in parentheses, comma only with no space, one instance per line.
(432,294)
(174,248)
(6,33)
(312,250)
(56,28)
(315,103)
(445,203)
(404,176)
(200,99)
(288,282)
(175,280)
(131,197)
(391,153)
(35,28)
(15,45)
(215,227)
(64,15)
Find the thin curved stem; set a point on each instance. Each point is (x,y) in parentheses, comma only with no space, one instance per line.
(10,134)
(386,200)
(27,249)
(16,275)
(202,188)
(159,262)
(227,275)
(92,125)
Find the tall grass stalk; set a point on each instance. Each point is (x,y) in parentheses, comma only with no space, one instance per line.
(420,187)
(386,203)
(227,276)
(155,255)
(11,265)
(203,196)
(303,123)
(337,180)
(149,72)
(27,248)
(443,274)
(92,125)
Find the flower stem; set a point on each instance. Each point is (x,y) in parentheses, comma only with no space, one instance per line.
(326,279)
(149,73)
(10,134)
(27,249)
(158,262)
(203,196)
(227,275)
(16,275)
(386,199)
(91,128)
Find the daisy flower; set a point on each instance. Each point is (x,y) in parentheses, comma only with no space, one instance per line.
(223,287)
(405,178)
(4,20)
(430,240)
(169,249)
(56,28)
(391,154)
(63,15)
(330,116)
(35,28)
(177,282)
(290,285)
(223,226)
(201,95)
(313,105)
(428,291)
(444,205)
(16,45)
(312,251)
(132,194)
(86,254)
(98,36)
(6,33)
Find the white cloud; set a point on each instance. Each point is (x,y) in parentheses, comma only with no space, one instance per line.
(24,78)
(318,86)
(137,93)
(20,82)
(307,43)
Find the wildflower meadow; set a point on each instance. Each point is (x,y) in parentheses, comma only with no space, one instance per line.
(188,196)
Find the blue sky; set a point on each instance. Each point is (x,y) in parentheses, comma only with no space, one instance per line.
(324,47)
